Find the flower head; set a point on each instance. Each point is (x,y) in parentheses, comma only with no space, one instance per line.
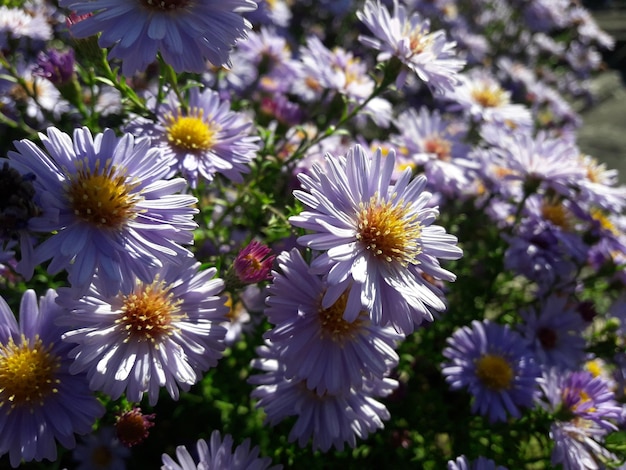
(117,216)
(184,32)
(164,333)
(496,366)
(131,427)
(204,138)
(410,39)
(327,420)
(101,450)
(254,263)
(317,345)
(41,402)
(378,236)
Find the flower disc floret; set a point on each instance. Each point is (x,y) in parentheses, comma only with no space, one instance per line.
(102,196)
(27,373)
(191,132)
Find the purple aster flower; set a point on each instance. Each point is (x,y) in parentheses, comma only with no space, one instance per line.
(589,397)
(409,38)
(132,426)
(41,402)
(481,463)
(482,97)
(254,263)
(497,367)
(116,214)
(184,32)
(164,333)
(204,137)
(542,160)
(555,330)
(219,454)
(328,420)
(56,66)
(436,145)
(578,445)
(379,238)
(101,450)
(317,345)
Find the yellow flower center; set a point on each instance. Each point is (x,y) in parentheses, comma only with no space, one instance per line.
(148,313)
(27,373)
(334,326)
(557,214)
(494,372)
(389,231)
(599,216)
(102,197)
(594,367)
(419,38)
(191,132)
(101,457)
(440,147)
(490,96)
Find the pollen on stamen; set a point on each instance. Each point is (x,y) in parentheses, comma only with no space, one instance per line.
(192,132)
(27,373)
(150,313)
(389,231)
(102,196)
(334,326)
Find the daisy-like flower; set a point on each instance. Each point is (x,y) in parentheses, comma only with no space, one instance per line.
(429,140)
(409,38)
(482,97)
(327,420)
(164,333)
(254,263)
(184,32)
(131,427)
(379,238)
(555,330)
(586,411)
(205,137)
(317,345)
(218,453)
(497,367)
(101,450)
(41,402)
(116,214)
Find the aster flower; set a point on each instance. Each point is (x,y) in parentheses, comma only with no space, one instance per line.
(317,345)
(538,161)
(164,333)
(131,427)
(218,454)
(483,98)
(184,32)
(204,138)
(435,144)
(41,402)
(253,263)
(410,39)
(379,238)
(555,330)
(116,214)
(17,23)
(578,445)
(101,450)
(327,420)
(496,366)
(56,66)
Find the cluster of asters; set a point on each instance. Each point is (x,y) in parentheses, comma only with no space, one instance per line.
(373,135)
